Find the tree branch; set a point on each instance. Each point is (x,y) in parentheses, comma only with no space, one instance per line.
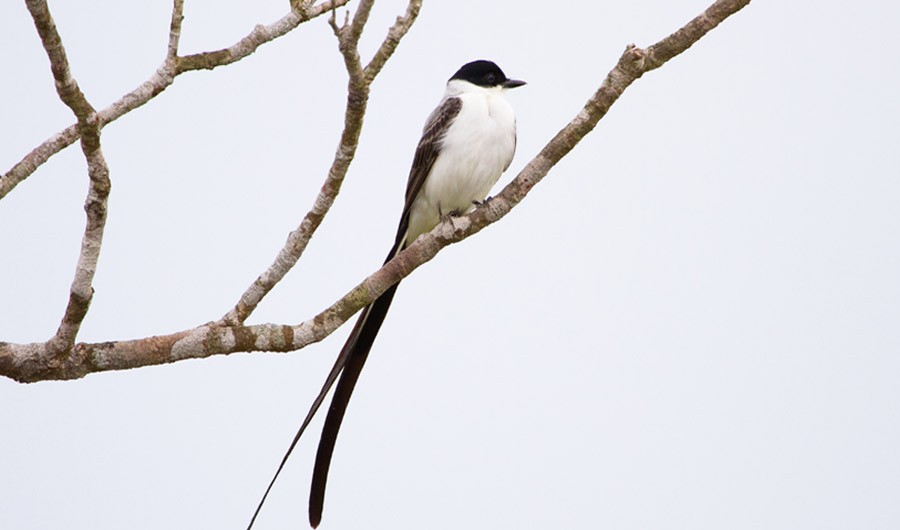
(395,34)
(81,291)
(160,81)
(30,362)
(66,86)
(175,29)
(260,35)
(357,100)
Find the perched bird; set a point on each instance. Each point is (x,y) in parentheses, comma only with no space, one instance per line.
(467,143)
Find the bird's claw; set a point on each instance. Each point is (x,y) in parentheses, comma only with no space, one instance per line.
(448,216)
(483,202)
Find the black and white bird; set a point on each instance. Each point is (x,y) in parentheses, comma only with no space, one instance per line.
(467,143)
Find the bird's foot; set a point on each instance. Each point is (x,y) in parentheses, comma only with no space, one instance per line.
(483,202)
(448,216)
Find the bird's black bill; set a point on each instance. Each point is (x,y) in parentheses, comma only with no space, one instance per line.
(513,83)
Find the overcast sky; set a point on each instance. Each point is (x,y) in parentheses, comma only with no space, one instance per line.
(693,322)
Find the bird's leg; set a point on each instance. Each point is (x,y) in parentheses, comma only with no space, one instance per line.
(448,216)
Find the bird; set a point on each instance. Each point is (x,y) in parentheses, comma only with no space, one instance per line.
(468,141)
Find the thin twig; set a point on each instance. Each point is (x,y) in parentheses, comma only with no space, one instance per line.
(175,29)
(400,28)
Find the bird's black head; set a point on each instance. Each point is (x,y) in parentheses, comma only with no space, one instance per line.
(486,74)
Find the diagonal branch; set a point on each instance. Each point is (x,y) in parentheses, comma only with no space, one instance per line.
(160,81)
(30,362)
(633,64)
(357,100)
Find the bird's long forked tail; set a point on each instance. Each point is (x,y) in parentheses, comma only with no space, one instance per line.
(348,366)
(359,344)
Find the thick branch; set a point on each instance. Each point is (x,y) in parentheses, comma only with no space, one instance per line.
(36,362)
(158,82)
(29,362)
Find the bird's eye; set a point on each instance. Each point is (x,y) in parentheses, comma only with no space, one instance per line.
(492,78)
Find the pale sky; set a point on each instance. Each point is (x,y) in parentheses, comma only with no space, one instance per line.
(692,322)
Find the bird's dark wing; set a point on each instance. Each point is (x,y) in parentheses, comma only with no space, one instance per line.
(426,153)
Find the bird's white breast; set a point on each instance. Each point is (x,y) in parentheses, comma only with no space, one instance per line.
(478,146)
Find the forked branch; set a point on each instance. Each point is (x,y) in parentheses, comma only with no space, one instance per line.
(164,76)
(360,79)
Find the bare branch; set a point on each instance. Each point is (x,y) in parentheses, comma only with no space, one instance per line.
(81,291)
(360,18)
(260,35)
(34,362)
(397,32)
(66,86)
(633,64)
(158,82)
(37,362)
(37,157)
(175,29)
(357,99)
(95,206)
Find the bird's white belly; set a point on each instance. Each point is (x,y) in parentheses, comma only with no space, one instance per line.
(477,148)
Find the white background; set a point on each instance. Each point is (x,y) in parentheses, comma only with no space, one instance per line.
(693,322)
